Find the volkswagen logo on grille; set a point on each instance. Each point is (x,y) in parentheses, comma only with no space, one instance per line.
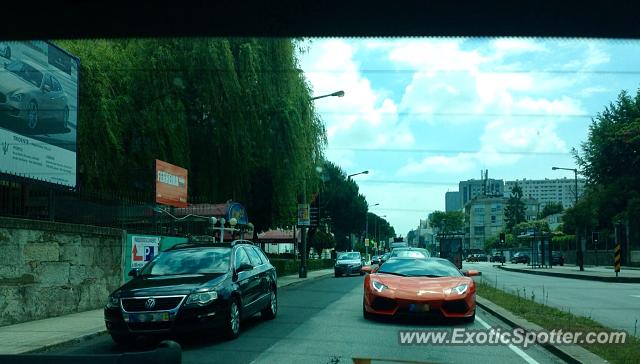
(150,304)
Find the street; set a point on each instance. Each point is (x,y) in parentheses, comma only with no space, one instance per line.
(321,322)
(616,305)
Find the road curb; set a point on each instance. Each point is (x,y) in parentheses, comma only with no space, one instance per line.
(573,276)
(308,279)
(75,340)
(569,353)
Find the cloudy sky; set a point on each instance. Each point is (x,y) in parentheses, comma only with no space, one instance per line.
(423,114)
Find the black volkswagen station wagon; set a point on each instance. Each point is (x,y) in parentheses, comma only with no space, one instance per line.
(194,288)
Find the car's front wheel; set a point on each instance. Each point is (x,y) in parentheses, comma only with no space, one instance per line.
(336,274)
(32,115)
(367,315)
(470,319)
(65,118)
(232,322)
(269,312)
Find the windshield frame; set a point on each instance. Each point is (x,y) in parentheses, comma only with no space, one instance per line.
(346,255)
(24,68)
(452,270)
(146,271)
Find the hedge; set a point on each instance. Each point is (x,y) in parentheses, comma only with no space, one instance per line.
(289,266)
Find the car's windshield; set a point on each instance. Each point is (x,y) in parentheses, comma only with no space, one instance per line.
(309,157)
(26,72)
(189,261)
(433,267)
(410,253)
(349,256)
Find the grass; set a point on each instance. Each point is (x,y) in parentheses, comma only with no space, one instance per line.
(551,318)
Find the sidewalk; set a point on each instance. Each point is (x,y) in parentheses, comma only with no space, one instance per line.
(38,335)
(602,274)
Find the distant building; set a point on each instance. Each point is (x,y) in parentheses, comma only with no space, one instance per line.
(470,189)
(452,201)
(485,218)
(548,190)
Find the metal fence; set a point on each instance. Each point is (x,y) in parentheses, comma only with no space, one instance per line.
(135,213)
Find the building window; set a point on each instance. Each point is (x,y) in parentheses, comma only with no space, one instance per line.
(478,230)
(493,219)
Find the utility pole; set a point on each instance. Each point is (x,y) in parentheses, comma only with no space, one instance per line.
(580,243)
(303,234)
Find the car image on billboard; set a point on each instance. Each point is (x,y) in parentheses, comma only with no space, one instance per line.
(38,111)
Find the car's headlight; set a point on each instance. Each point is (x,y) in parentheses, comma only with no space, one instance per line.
(202,298)
(16,97)
(113,302)
(378,286)
(461,289)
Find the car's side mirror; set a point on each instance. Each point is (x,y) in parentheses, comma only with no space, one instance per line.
(471,273)
(134,273)
(243,267)
(366,269)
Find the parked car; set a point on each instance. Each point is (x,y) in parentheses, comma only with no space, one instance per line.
(410,253)
(348,263)
(499,258)
(30,96)
(194,288)
(520,258)
(557,258)
(431,287)
(5,50)
(375,259)
(482,258)
(472,258)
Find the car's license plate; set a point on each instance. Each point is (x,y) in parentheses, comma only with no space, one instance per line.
(149,317)
(419,307)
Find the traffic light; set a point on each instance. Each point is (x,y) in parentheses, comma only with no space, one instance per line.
(503,239)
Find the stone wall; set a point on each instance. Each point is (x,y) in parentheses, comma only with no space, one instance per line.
(50,269)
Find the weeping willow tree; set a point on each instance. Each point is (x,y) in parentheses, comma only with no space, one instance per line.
(235,112)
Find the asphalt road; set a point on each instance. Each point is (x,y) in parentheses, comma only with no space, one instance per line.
(616,305)
(321,322)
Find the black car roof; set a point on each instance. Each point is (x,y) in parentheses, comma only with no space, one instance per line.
(210,245)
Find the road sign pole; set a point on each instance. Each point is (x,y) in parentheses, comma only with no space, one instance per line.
(616,258)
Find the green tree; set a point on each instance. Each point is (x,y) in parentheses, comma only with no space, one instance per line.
(514,212)
(447,222)
(342,204)
(237,113)
(322,240)
(550,209)
(610,160)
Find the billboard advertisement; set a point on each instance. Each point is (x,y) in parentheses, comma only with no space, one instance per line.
(171,184)
(38,111)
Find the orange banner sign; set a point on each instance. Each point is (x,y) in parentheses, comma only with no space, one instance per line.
(171,184)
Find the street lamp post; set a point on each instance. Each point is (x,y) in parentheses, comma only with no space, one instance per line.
(580,253)
(378,228)
(366,228)
(336,94)
(355,174)
(302,273)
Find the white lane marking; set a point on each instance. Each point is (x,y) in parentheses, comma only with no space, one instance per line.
(635,295)
(515,349)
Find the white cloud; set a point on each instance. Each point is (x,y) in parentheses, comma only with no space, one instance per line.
(364,117)
(503,142)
